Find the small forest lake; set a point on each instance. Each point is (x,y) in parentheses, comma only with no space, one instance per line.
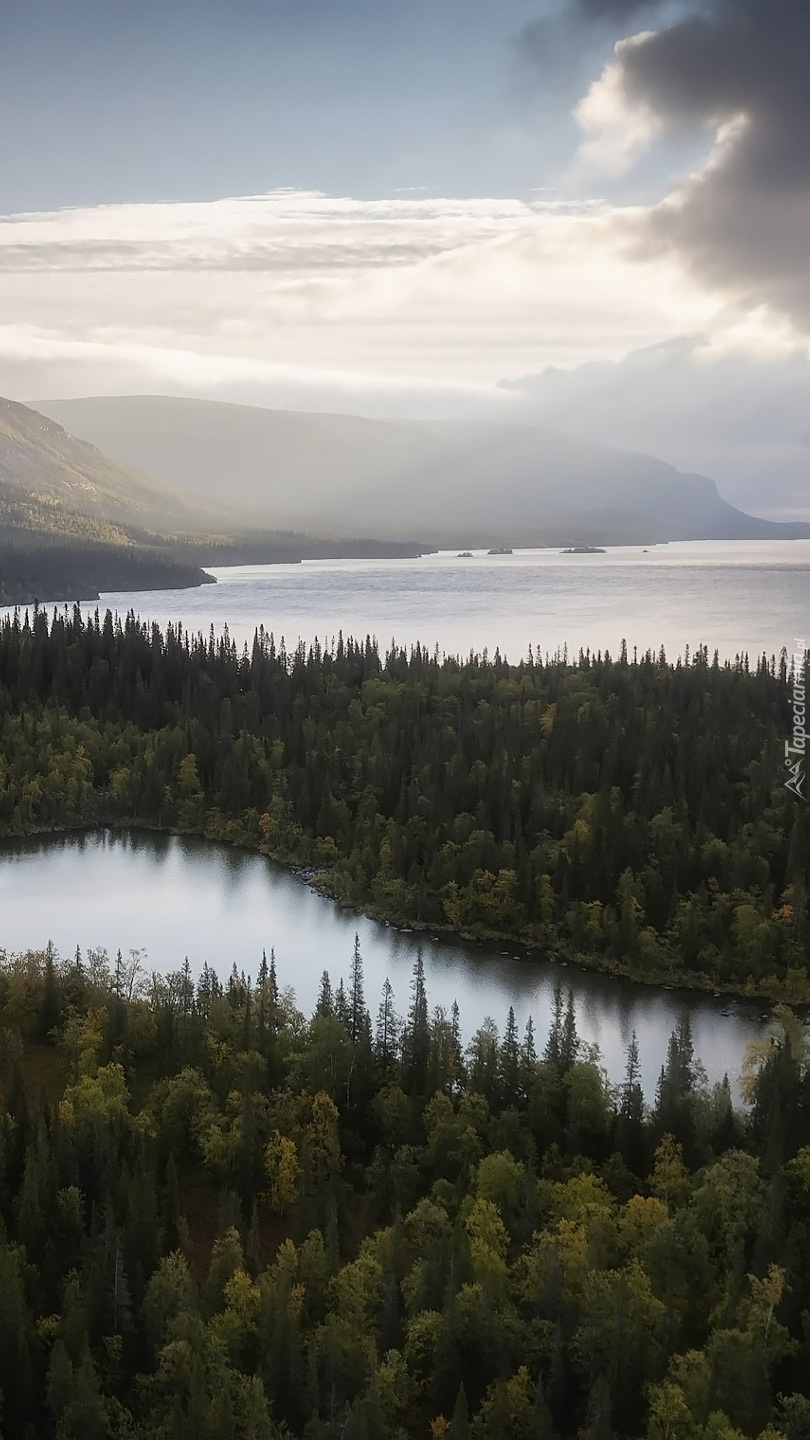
(172,897)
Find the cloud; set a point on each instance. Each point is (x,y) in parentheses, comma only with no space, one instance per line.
(617,132)
(407,293)
(567,41)
(410,307)
(735,409)
(742,220)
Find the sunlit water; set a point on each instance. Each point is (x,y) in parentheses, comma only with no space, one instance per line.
(172,898)
(733,596)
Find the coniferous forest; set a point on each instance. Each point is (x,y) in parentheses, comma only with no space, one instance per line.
(222,1221)
(629,812)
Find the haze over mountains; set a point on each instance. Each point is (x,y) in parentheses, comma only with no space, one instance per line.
(74,523)
(445,484)
(47,475)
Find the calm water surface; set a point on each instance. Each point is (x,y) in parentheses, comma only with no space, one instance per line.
(174,897)
(734,596)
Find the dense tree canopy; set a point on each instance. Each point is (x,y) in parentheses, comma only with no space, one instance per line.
(222,1221)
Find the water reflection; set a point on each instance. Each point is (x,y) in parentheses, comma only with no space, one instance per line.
(174,897)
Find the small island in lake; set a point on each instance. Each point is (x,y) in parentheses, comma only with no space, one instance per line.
(585,550)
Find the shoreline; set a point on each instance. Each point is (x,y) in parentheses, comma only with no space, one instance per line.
(559,954)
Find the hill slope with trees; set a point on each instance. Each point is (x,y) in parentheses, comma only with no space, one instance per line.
(74,523)
(45,471)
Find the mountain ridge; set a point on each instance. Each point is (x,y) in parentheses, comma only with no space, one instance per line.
(453,483)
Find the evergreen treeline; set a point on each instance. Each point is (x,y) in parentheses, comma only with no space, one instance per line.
(628,811)
(221,1221)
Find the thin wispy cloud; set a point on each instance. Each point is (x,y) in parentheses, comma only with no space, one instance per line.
(446,292)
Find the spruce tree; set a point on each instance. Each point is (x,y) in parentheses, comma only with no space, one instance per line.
(417,1039)
(357,1002)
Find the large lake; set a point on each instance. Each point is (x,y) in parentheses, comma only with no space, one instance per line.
(735,596)
(175,897)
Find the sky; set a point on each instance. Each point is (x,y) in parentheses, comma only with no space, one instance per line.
(589,214)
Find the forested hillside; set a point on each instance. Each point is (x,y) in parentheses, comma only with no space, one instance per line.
(628,811)
(74,523)
(222,1221)
(32,568)
(48,478)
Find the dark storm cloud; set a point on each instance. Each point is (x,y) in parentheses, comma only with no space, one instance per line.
(744,220)
(565,42)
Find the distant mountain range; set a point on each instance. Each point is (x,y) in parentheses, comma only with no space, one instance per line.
(443,484)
